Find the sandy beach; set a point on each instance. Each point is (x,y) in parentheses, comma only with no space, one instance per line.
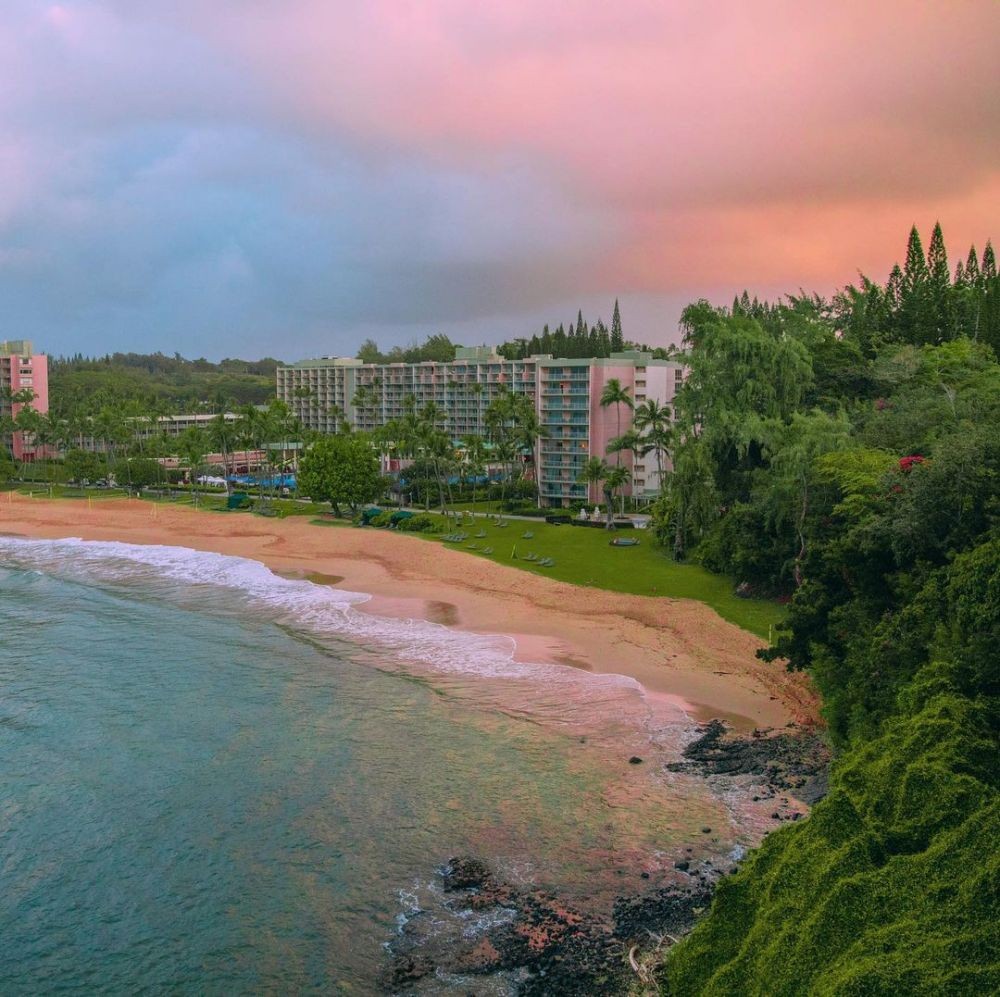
(677,648)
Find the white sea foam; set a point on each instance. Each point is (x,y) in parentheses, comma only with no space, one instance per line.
(319,609)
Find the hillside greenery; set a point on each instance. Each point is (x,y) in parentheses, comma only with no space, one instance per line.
(846,454)
(170,384)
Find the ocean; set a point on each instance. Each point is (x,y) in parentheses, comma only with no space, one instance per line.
(217,780)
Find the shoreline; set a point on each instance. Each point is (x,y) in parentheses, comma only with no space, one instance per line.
(679,650)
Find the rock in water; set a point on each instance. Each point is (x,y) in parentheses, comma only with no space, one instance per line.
(465,873)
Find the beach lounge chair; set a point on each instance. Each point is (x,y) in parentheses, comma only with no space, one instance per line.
(530,557)
(487,550)
(527,535)
(481,533)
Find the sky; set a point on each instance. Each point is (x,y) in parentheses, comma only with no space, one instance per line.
(290,177)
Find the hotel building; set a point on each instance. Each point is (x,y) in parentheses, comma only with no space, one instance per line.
(566,393)
(21,369)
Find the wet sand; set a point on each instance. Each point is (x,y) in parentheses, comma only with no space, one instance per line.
(678,649)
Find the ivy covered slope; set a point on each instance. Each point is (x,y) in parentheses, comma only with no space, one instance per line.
(863,481)
(892,884)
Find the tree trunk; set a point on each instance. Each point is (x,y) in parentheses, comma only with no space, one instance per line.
(679,534)
(797,570)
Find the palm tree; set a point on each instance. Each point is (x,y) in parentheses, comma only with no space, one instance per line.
(111,429)
(615,481)
(477,389)
(513,427)
(193,445)
(366,398)
(26,420)
(593,473)
(252,432)
(475,459)
(655,420)
(221,435)
(435,442)
(629,441)
(616,394)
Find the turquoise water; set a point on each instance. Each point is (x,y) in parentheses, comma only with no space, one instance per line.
(217,781)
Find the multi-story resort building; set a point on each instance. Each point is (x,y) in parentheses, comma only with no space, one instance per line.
(323,393)
(22,370)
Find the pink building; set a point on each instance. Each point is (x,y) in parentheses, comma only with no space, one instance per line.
(566,394)
(22,371)
(579,427)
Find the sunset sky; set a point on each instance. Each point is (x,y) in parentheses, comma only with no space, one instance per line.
(289,177)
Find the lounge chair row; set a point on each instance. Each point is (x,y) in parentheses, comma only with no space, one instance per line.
(543,562)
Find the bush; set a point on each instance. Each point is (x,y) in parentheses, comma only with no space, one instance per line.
(81,465)
(419,524)
(513,490)
(742,545)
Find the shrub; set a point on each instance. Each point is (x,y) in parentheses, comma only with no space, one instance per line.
(419,524)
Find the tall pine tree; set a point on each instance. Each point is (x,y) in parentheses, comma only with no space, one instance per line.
(894,287)
(989,264)
(941,317)
(918,323)
(937,258)
(915,269)
(972,267)
(617,339)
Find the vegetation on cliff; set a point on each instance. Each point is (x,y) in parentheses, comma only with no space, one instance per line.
(862,479)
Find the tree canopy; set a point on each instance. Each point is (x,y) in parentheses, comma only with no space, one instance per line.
(341,470)
(846,456)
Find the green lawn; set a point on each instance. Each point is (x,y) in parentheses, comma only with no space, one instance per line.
(583,556)
(217,502)
(42,490)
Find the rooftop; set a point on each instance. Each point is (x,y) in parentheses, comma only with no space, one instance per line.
(16,348)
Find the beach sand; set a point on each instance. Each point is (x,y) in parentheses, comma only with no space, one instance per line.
(678,649)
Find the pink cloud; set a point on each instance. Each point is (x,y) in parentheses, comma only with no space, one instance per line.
(463,161)
(820,131)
